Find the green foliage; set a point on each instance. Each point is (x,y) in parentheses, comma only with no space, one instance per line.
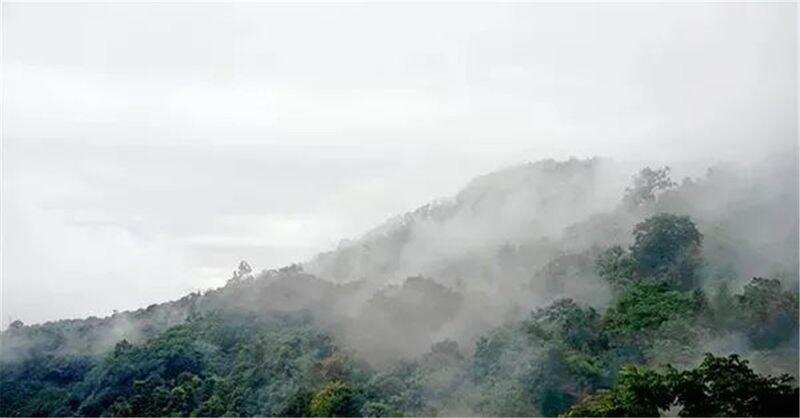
(723,386)
(543,364)
(601,404)
(564,320)
(511,368)
(378,409)
(720,386)
(234,364)
(766,312)
(676,342)
(42,386)
(667,248)
(241,350)
(616,266)
(219,364)
(639,392)
(645,306)
(336,399)
(722,310)
(421,387)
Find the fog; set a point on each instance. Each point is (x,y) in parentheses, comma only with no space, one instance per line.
(147,149)
(399,210)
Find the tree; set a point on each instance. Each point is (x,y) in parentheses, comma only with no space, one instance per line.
(723,311)
(298,403)
(241,273)
(726,386)
(639,392)
(768,314)
(336,399)
(645,306)
(577,327)
(720,386)
(616,266)
(646,184)
(378,409)
(667,248)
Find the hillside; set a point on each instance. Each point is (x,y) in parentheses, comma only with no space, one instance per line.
(555,287)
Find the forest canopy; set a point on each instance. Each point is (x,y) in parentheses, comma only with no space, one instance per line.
(530,293)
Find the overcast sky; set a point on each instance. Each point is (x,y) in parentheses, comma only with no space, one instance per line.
(148,148)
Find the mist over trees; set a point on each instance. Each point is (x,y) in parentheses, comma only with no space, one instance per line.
(575,288)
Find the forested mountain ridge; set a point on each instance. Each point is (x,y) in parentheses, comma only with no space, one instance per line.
(543,289)
(523,203)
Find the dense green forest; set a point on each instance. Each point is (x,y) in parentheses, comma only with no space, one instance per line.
(533,292)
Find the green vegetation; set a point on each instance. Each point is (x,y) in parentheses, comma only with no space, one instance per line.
(638,393)
(643,307)
(287,343)
(720,386)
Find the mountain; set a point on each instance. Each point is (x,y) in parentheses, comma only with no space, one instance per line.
(524,294)
(522,204)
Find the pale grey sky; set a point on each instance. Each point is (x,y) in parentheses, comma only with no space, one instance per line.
(148,148)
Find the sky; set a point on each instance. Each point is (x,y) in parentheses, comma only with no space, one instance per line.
(148,148)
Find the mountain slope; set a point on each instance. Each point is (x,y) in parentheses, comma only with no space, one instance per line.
(518,296)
